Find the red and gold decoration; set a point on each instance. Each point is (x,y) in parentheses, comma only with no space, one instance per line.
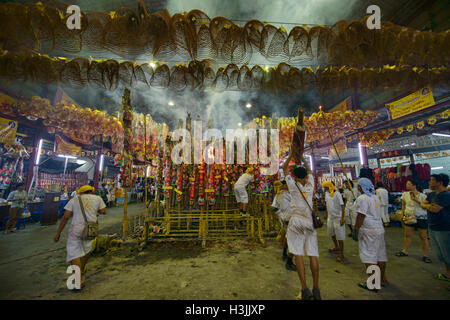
(78,124)
(376,137)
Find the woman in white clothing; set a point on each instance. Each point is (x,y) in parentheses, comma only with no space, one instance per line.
(414,218)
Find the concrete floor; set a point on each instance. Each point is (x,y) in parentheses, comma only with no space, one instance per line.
(32,266)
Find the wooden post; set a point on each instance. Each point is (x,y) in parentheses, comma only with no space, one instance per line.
(125,213)
(147,219)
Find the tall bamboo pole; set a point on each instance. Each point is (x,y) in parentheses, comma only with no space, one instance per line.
(335,149)
(147,220)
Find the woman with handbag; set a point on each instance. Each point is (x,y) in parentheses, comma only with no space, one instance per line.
(84,228)
(414,218)
(301,233)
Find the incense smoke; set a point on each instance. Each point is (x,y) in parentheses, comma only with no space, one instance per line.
(325,12)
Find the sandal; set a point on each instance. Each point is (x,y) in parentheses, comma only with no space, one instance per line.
(307,295)
(316,294)
(401,254)
(364,286)
(426,259)
(339,259)
(441,276)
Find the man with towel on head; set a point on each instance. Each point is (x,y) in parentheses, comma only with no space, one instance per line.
(369,230)
(241,193)
(78,248)
(336,219)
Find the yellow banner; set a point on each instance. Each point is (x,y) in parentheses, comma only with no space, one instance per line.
(65,148)
(414,102)
(8,130)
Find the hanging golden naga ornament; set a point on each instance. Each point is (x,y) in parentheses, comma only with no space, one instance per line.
(410,128)
(432,120)
(420,125)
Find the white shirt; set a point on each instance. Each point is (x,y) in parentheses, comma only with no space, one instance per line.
(334,205)
(412,207)
(243,181)
(282,202)
(92,204)
(370,208)
(383,195)
(297,201)
(348,196)
(73,194)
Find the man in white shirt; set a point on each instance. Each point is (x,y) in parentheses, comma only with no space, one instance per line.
(281,205)
(383,195)
(240,192)
(369,230)
(336,219)
(301,235)
(78,248)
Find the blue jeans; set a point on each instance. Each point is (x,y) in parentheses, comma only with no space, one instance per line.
(440,240)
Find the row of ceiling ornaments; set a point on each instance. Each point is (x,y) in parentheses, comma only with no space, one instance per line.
(412,142)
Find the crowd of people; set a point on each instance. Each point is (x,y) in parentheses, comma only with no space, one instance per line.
(365,211)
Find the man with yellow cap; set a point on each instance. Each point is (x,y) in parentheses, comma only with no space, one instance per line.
(240,192)
(336,218)
(77,247)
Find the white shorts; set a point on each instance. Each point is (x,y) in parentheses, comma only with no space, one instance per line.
(300,241)
(348,217)
(241,195)
(372,247)
(335,229)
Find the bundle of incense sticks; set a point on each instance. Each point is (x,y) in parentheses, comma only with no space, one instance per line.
(201,184)
(192,183)
(168,178)
(179,183)
(218,178)
(211,185)
(226,174)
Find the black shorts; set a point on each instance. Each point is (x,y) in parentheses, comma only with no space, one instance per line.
(420,224)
